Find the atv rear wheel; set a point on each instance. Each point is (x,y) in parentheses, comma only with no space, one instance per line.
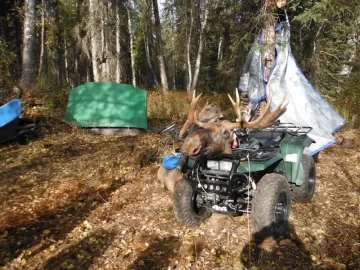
(186,208)
(305,192)
(270,206)
(23,139)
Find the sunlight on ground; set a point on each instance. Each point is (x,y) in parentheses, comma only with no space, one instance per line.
(72,200)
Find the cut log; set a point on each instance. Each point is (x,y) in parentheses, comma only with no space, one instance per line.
(348,143)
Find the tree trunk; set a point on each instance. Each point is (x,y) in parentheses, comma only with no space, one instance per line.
(104,61)
(188,51)
(59,47)
(78,76)
(220,48)
(28,60)
(131,33)
(148,59)
(66,61)
(148,34)
(88,72)
(118,74)
(269,9)
(173,47)
(268,39)
(200,49)
(94,38)
(102,36)
(174,65)
(163,76)
(353,41)
(42,39)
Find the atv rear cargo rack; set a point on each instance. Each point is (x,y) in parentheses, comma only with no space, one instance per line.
(289,128)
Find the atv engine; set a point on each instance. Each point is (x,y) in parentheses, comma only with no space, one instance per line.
(219,186)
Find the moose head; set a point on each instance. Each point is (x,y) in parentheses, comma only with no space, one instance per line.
(216,137)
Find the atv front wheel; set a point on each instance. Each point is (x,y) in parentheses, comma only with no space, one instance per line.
(270,207)
(305,192)
(186,209)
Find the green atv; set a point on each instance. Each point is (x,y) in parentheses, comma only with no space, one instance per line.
(263,174)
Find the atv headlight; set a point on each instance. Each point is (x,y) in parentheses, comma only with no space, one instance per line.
(219,165)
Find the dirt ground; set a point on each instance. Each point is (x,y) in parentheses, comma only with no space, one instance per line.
(72,200)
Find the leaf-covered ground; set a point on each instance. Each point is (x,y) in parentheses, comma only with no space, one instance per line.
(73,200)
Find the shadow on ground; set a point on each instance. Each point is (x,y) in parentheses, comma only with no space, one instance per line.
(82,254)
(158,254)
(52,226)
(37,168)
(285,252)
(340,248)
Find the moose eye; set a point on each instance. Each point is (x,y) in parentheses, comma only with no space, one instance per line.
(225,134)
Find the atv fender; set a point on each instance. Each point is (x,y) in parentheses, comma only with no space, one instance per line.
(292,149)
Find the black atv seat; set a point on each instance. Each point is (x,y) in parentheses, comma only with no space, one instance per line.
(267,138)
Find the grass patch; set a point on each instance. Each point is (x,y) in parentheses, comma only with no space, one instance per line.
(175,105)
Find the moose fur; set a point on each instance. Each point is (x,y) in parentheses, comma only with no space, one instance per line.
(169,178)
(203,138)
(217,137)
(208,141)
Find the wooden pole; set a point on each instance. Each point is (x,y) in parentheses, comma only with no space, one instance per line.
(268,21)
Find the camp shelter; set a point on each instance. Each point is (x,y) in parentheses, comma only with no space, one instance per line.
(108,108)
(306,106)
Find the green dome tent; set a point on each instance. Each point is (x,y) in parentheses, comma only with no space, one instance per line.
(108,108)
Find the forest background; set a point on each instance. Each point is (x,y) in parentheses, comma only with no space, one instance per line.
(50,46)
(73,200)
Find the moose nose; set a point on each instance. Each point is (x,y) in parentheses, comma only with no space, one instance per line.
(196,151)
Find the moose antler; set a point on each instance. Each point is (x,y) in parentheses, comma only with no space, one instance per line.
(190,119)
(217,137)
(205,119)
(266,118)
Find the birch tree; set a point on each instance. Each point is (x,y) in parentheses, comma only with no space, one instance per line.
(60,44)
(103,64)
(200,49)
(203,18)
(94,38)
(118,73)
(148,23)
(148,58)
(28,55)
(220,47)
(160,53)
(129,9)
(42,39)
(353,41)
(188,46)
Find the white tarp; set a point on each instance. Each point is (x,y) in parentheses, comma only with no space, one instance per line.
(306,106)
